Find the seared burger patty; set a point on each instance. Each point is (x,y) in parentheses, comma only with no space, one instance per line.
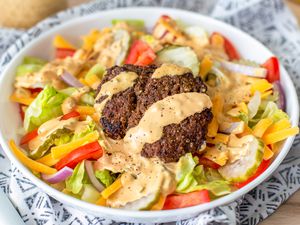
(125,109)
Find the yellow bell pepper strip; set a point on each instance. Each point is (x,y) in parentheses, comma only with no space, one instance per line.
(160,203)
(82,80)
(280,125)
(24,101)
(266,94)
(111,189)
(58,152)
(216,109)
(217,41)
(268,153)
(101,201)
(92,80)
(219,138)
(261,85)
(216,155)
(33,165)
(261,127)
(90,39)
(280,135)
(48,160)
(205,66)
(95,117)
(60,42)
(85,110)
(247,131)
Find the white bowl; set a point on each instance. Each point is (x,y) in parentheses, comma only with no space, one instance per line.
(72,30)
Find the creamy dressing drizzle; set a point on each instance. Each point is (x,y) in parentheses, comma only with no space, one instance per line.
(119,83)
(167,69)
(142,176)
(51,126)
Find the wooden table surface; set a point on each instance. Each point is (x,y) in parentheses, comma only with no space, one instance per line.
(289,212)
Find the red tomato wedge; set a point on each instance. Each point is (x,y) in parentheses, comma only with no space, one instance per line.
(89,151)
(35,90)
(29,136)
(272,66)
(177,201)
(230,50)
(70,115)
(208,163)
(61,53)
(263,166)
(140,54)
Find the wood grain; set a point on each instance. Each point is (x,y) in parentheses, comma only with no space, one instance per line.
(289,212)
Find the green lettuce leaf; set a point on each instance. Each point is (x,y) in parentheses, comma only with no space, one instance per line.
(90,194)
(192,177)
(76,181)
(46,105)
(30,65)
(83,132)
(105,177)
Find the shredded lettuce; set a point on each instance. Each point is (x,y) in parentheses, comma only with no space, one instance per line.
(272,111)
(83,132)
(30,65)
(46,105)
(254,104)
(181,56)
(77,180)
(268,109)
(105,177)
(134,23)
(90,194)
(87,98)
(191,177)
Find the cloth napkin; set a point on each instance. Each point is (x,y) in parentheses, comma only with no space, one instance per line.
(267,20)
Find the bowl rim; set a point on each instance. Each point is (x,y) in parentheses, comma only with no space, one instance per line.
(162,213)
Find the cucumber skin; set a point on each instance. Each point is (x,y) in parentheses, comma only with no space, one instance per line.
(250,171)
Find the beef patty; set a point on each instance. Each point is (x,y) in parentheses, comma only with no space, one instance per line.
(125,109)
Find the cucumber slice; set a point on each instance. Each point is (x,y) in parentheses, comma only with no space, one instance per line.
(24,69)
(144,203)
(249,158)
(181,56)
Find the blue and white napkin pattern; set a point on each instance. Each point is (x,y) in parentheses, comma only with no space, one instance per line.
(267,20)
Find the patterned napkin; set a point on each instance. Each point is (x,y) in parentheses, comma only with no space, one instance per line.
(267,20)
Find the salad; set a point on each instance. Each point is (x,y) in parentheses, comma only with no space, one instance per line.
(144,120)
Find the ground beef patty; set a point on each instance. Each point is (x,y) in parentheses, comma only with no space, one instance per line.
(125,109)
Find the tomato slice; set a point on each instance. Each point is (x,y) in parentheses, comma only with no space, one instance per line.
(140,54)
(62,53)
(230,50)
(35,90)
(208,163)
(89,151)
(29,136)
(177,201)
(70,115)
(263,166)
(272,66)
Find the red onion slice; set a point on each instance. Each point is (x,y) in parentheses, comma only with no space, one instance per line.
(281,98)
(59,176)
(70,80)
(246,70)
(90,171)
